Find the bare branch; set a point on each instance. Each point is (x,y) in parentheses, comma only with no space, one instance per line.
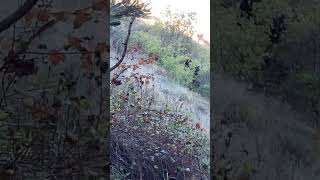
(18,14)
(124,52)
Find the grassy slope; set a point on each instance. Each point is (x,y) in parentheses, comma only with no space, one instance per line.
(154,143)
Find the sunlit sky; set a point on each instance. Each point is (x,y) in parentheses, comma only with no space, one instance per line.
(201,7)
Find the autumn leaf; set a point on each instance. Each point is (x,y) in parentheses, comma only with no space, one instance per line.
(123,66)
(81,18)
(101,48)
(37,113)
(31,15)
(75,42)
(141,61)
(135,67)
(86,59)
(43,15)
(55,57)
(6,45)
(116,82)
(100,5)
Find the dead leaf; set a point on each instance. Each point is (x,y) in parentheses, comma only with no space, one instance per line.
(43,15)
(86,58)
(101,48)
(123,66)
(141,61)
(37,113)
(6,45)
(75,42)
(100,5)
(81,18)
(116,82)
(198,126)
(31,15)
(56,57)
(135,67)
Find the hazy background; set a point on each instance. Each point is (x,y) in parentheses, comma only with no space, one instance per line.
(201,7)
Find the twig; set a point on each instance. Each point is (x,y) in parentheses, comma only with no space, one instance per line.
(124,52)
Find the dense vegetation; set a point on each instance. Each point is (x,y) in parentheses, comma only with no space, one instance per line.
(267,89)
(156,130)
(52,114)
(185,59)
(272,44)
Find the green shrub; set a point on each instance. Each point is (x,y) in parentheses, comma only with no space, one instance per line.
(173,54)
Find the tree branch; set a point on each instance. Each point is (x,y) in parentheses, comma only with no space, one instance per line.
(18,14)
(125,46)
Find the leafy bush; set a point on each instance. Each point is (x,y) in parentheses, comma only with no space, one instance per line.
(173,54)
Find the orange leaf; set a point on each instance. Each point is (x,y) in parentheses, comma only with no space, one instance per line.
(55,57)
(141,61)
(81,18)
(100,5)
(101,47)
(123,66)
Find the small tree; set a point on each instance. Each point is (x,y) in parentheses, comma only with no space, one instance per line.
(131,9)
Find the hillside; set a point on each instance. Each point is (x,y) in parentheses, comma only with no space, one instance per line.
(266,66)
(260,137)
(160,126)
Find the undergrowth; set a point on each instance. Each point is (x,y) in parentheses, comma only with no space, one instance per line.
(149,142)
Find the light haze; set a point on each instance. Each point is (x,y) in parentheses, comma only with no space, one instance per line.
(201,7)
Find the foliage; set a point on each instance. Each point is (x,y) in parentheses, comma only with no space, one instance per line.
(174,139)
(52,97)
(275,50)
(127,8)
(173,51)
